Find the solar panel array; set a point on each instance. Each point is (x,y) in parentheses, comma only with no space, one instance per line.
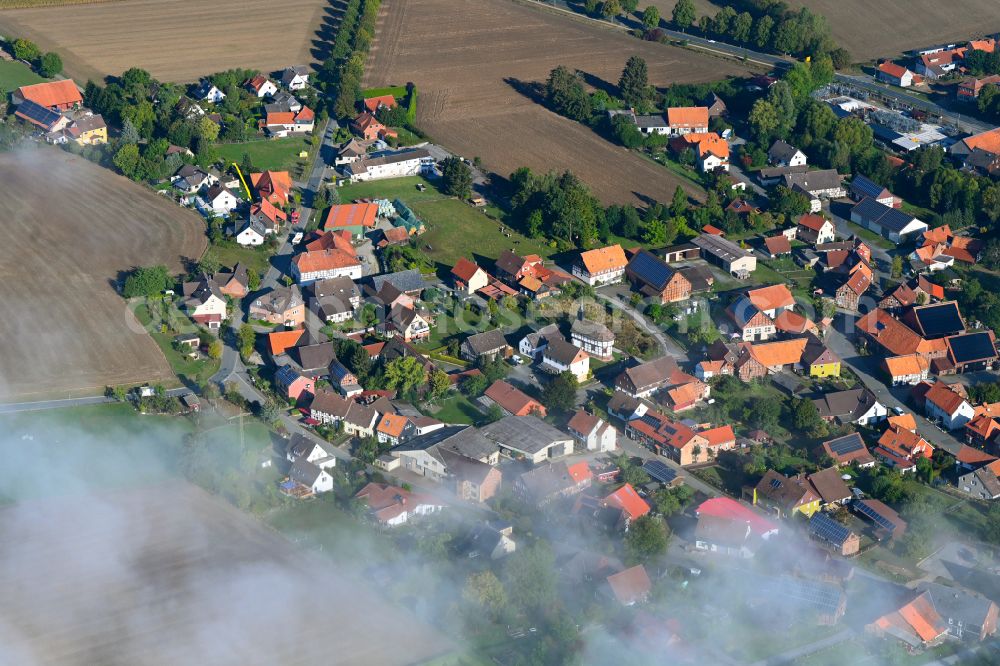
(650,420)
(940,319)
(847,444)
(877,518)
(651,269)
(38,113)
(823,596)
(972,347)
(828,529)
(660,471)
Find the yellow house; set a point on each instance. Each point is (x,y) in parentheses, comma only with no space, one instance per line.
(90,131)
(786,496)
(821,361)
(825,369)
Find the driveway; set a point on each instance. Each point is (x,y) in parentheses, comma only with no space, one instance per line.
(609,295)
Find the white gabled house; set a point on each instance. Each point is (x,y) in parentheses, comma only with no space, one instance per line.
(310,476)
(252,234)
(947,405)
(295,78)
(206,92)
(218,200)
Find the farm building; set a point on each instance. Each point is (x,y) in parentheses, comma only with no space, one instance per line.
(727,254)
(886,221)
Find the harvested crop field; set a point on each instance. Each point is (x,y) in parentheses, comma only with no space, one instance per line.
(468,59)
(69,228)
(177,41)
(887,27)
(166,574)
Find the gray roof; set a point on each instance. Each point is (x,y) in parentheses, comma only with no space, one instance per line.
(781,151)
(360,415)
(316,357)
(461,440)
(845,405)
(720,247)
(769,173)
(304,472)
(649,122)
(651,373)
(527,434)
(592,330)
(361,166)
(279,299)
(958,604)
(545,481)
(406,281)
(560,351)
(330,403)
(486,342)
(814,181)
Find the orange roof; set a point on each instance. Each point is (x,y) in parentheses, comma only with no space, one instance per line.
(392,424)
(971,455)
(580,471)
(687,116)
(920,615)
(52,93)
(859,282)
(351,215)
(778,244)
(814,222)
(897,337)
(280,118)
(991,409)
(892,69)
(603,259)
(373,103)
(988,141)
(904,421)
(374,349)
(513,399)
(269,210)
(719,436)
(366,120)
(324,260)
(937,235)
(305,113)
(945,397)
(982,425)
(281,341)
(685,394)
(910,364)
(928,252)
(783,352)
(905,442)
(793,322)
(988,45)
(465,269)
(626,499)
(713,230)
(772,297)
(964,249)
(330,240)
(272,183)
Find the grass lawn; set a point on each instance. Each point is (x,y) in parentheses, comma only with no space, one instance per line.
(783,264)
(925,214)
(322,523)
(276,154)
(194,370)
(458,409)
(396,91)
(14,74)
(454,229)
(764,274)
(391,188)
(230,255)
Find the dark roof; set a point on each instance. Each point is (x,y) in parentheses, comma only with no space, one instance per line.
(866,188)
(462,440)
(509,262)
(883,516)
(37,114)
(410,280)
(528,434)
(486,342)
(971,347)
(660,471)
(304,472)
(812,181)
(700,277)
(592,330)
(845,405)
(649,269)
(560,351)
(938,319)
(828,529)
(547,480)
(886,217)
(829,485)
(781,151)
(315,357)
(720,247)
(964,607)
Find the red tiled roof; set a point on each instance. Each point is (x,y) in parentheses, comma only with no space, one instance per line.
(52,93)
(723,507)
(580,471)
(513,400)
(628,501)
(631,585)
(814,222)
(771,297)
(719,435)
(778,245)
(281,341)
(892,69)
(351,215)
(943,396)
(465,269)
(971,456)
(603,259)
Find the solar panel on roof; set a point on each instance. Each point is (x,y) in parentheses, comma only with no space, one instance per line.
(846,445)
(38,113)
(971,347)
(828,529)
(875,516)
(650,269)
(649,419)
(824,596)
(938,320)
(660,471)
(775,483)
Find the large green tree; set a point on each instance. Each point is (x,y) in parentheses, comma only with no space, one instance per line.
(456,177)
(565,94)
(404,374)
(633,85)
(684,14)
(651,17)
(560,391)
(647,537)
(146,281)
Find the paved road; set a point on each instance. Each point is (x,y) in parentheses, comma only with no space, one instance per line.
(636,449)
(866,368)
(667,346)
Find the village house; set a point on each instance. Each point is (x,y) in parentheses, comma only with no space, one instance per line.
(728,527)
(982,482)
(846,450)
(273,186)
(888,524)
(532,344)
(309,267)
(858,406)
(560,356)
(654,278)
(604,265)
(512,400)
(825,528)
(751,323)
(782,154)
(390,164)
(711,151)
(335,299)
(426,454)
(947,404)
(642,380)
(900,448)
(528,437)
(668,438)
(687,120)
(907,369)
(295,78)
(268,215)
(391,506)
(485,346)
(969,89)
(726,254)
(777,246)
(406,322)
(492,539)
(252,234)
(592,431)
(755,361)
(594,338)
(981,431)
(218,200)
(291,384)
(369,128)
(316,451)
(261,86)
(896,338)
(937,64)
(630,505)
(233,283)
(468,277)
(392,428)
(190,179)
(204,303)
(279,124)
(306,479)
(785,496)
(816,185)
(474,480)
(848,295)
(631,586)
(553,480)
(894,74)
(280,305)
(815,229)
(916,624)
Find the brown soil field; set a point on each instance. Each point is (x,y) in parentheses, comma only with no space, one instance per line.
(69,228)
(888,27)
(468,59)
(165,574)
(179,40)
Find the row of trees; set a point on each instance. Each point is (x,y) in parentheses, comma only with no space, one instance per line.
(342,71)
(46,64)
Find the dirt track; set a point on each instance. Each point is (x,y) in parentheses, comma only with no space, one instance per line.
(69,228)
(178,40)
(469,58)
